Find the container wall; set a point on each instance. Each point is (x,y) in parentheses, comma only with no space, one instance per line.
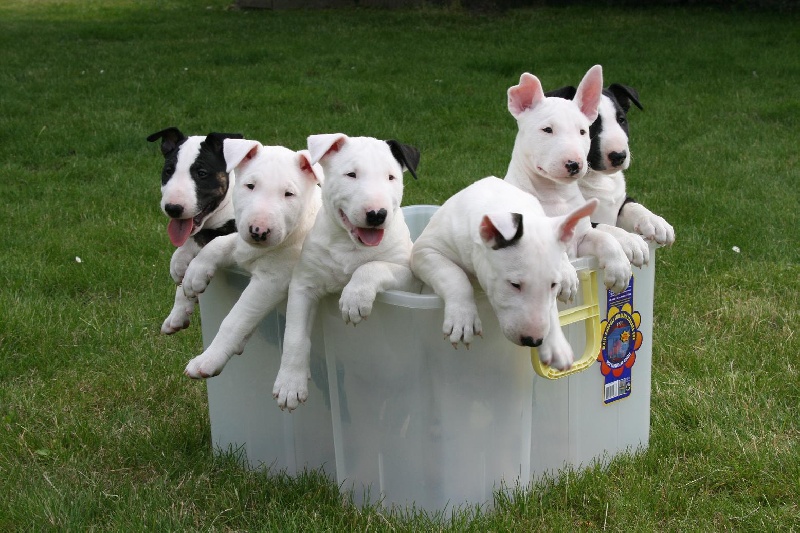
(243,414)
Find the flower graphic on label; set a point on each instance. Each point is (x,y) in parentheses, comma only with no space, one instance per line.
(621,338)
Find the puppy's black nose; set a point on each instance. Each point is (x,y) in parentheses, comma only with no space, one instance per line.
(530,342)
(617,158)
(173,210)
(376,218)
(257,234)
(573,167)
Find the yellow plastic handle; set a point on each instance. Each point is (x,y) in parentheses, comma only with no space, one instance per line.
(589,313)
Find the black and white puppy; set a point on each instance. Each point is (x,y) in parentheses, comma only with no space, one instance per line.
(196,196)
(609,156)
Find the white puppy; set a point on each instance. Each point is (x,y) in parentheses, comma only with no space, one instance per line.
(609,157)
(276,199)
(549,157)
(359,243)
(501,237)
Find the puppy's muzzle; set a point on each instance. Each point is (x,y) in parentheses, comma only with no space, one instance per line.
(257,235)
(376,218)
(530,342)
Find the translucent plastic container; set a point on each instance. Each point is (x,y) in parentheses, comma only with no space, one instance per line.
(244,415)
(418,423)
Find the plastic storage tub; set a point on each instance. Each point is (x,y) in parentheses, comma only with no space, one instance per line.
(417,423)
(244,415)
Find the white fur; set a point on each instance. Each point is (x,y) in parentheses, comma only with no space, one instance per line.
(553,140)
(276,200)
(521,279)
(608,186)
(334,258)
(180,189)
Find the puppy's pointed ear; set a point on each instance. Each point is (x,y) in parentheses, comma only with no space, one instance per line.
(171,139)
(314,171)
(406,155)
(625,95)
(499,230)
(589,91)
(526,95)
(565,227)
(323,144)
(567,93)
(239,152)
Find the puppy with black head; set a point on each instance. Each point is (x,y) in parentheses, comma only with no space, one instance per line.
(196,196)
(609,157)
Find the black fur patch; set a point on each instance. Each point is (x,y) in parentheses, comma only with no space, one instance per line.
(406,155)
(206,235)
(209,171)
(171,141)
(501,242)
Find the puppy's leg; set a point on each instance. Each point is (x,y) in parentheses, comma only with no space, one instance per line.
(181,258)
(367,281)
(610,255)
(555,350)
(636,250)
(569,280)
(182,308)
(216,254)
(291,384)
(180,316)
(638,219)
(451,283)
(258,298)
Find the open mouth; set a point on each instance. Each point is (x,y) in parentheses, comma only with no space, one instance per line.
(180,229)
(366,236)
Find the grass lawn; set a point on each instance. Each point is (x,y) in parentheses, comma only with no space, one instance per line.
(99,430)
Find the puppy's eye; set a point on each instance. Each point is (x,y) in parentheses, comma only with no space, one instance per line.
(391,178)
(289,194)
(169,168)
(548,129)
(583,132)
(621,120)
(250,186)
(351,174)
(201,173)
(517,286)
(553,285)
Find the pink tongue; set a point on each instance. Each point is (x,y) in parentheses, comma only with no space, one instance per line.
(179,230)
(370,237)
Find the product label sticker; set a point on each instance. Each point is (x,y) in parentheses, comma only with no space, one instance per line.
(620,340)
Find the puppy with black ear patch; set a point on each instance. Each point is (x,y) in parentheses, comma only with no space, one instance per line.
(609,157)
(360,245)
(196,196)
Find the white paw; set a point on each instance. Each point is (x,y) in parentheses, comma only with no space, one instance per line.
(635,248)
(290,389)
(461,323)
(206,365)
(356,303)
(655,228)
(569,282)
(617,274)
(179,263)
(179,318)
(556,352)
(197,277)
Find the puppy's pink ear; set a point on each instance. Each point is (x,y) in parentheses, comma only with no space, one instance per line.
(499,230)
(526,95)
(239,152)
(565,230)
(327,143)
(310,169)
(587,97)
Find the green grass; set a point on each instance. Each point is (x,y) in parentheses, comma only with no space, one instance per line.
(100,431)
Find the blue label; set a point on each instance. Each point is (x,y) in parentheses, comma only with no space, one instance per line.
(620,340)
